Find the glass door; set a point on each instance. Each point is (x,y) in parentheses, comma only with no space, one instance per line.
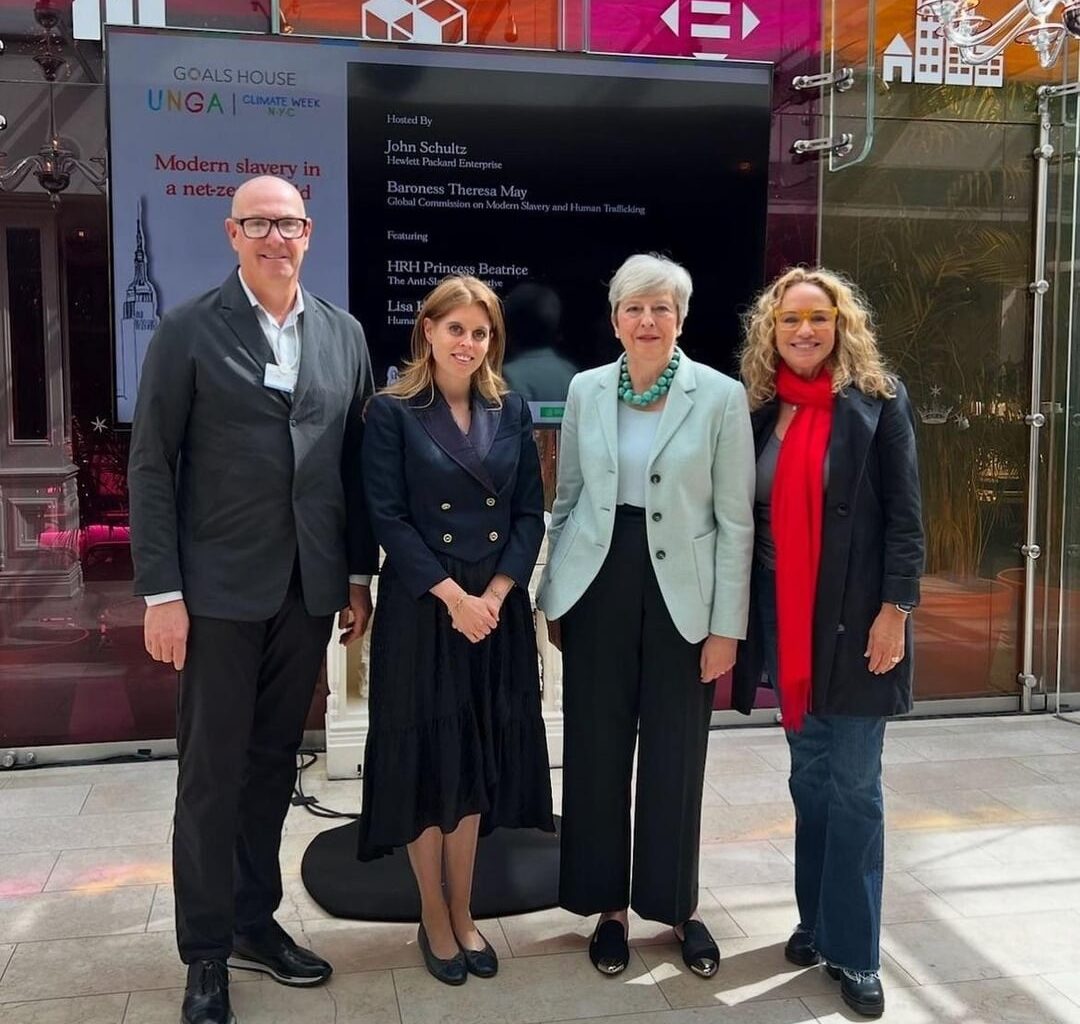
(929,212)
(1058,598)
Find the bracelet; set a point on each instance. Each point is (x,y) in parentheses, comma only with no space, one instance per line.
(501,595)
(457,604)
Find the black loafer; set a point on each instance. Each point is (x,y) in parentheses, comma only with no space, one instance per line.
(699,950)
(450,972)
(608,950)
(800,949)
(206,995)
(482,962)
(272,951)
(861,990)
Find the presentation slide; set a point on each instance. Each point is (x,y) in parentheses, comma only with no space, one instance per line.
(541,182)
(538,173)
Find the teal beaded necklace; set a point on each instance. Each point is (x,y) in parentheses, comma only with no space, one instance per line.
(649,395)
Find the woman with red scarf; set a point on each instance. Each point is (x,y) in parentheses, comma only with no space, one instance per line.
(837,556)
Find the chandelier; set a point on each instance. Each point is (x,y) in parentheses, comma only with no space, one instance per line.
(979,39)
(53,164)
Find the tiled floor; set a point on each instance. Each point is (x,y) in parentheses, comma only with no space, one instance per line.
(982,902)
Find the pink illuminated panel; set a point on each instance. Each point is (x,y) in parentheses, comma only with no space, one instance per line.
(739,29)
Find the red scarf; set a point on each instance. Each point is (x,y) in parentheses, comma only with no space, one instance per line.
(798,500)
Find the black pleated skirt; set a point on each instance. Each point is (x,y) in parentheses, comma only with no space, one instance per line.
(455,728)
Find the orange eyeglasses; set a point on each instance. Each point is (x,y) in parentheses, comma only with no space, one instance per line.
(791,319)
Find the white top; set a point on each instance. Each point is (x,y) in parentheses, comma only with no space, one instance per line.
(637,432)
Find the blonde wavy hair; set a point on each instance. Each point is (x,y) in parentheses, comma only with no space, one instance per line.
(449,294)
(855,360)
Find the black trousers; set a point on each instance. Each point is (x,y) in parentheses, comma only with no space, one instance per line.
(628,675)
(244,695)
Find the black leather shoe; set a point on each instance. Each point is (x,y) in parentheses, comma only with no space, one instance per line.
(608,950)
(206,995)
(450,972)
(273,952)
(861,990)
(800,949)
(484,963)
(699,950)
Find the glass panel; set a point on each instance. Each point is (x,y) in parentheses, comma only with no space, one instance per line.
(791,232)
(26,319)
(851,108)
(920,79)
(235,15)
(919,74)
(1058,601)
(933,225)
(72,664)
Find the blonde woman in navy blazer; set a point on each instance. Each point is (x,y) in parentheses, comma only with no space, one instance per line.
(646,585)
(456,743)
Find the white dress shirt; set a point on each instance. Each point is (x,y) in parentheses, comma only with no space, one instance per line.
(284,338)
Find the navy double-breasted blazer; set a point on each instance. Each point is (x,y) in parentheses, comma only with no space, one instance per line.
(871,554)
(432,490)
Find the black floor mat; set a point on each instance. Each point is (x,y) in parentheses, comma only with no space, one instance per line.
(517,870)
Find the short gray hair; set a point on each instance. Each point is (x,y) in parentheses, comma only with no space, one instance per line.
(649,273)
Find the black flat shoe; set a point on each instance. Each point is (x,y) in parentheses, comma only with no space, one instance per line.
(699,950)
(449,972)
(800,949)
(608,950)
(861,990)
(482,962)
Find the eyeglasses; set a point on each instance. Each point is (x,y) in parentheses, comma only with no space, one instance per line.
(289,228)
(792,319)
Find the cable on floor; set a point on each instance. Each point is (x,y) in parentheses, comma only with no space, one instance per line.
(304,760)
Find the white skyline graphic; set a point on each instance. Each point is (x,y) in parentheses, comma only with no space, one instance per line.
(138,321)
(935,61)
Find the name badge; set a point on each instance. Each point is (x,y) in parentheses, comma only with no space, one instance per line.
(280,378)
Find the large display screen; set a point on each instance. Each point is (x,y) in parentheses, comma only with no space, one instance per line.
(537,173)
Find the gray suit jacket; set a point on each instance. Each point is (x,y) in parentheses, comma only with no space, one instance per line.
(230,480)
(699,498)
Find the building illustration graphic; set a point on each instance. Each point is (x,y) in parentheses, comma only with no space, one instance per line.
(935,61)
(138,321)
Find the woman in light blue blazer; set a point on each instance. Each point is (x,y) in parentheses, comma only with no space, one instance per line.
(646,588)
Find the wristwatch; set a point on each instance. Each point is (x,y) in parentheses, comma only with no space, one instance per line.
(905,608)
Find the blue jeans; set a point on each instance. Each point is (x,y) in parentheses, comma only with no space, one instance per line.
(839,817)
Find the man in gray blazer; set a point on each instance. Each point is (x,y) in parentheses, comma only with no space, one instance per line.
(249,531)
